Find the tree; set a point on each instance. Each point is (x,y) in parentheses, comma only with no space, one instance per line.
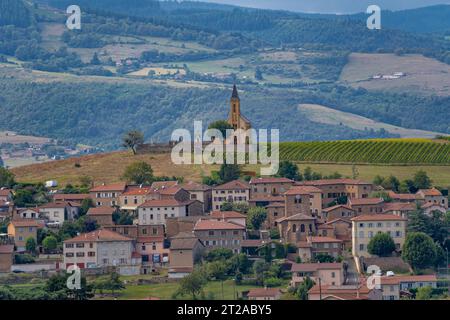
(139,172)
(86,204)
(30,245)
(114,283)
(6,294)
(229,172)
(421,180)
(217,270)
(304,287)
(50,243)
(258,74)
(323,258)
(219,254)
(122,218)
(133,139)
(424,293)
(289,170)
(193,283)
(222,126)
(419,250)
(95,60)
(407,186)
(256,217)
(391,183)
(381,245)
(6,178)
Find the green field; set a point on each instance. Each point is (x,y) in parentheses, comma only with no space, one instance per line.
(374,151)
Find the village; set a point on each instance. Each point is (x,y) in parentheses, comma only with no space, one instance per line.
(313,239)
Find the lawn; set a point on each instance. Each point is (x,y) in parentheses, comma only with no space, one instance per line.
(165,290)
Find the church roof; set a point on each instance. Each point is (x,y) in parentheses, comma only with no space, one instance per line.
(235,92)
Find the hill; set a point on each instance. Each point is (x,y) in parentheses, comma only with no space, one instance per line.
(382,151)
(108,167)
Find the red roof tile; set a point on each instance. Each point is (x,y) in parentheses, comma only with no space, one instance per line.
(164,203)
(310,267)
(323,239)
(99,211)
(263,292)
(235,184)
(110,187)
(302,190)
(227,214)
(325,182)
(25,223)
(98,235)
(337,207)
(400,279)
(365,201)
(430,192)
(270,180)
(216,225)
(70,196)
(378,217)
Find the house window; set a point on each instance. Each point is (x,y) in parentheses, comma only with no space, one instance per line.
(91,254)
(80,254)
(69,254)
(80,245)
(211,233)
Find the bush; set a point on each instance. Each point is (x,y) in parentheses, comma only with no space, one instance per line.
(23,259)
(272,282)
(381,245)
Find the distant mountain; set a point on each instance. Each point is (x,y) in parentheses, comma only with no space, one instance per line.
(331,6)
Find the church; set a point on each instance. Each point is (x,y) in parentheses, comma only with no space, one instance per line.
(235,118)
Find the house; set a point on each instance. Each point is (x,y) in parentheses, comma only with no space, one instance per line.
(21,230)
(181,224)
(157,211)
(233,191)
(58,212)
(329,273)
(175,192)
(6,210)
(153,250)
(433,196)
(429,207)
(6,195)
(200,192)
(337,212)
(71,197)
(365,227)
(366,205)
(275,211)
(99,248)
(264,294)
(303,199)
(185,251)
(157,185)
(6,257)
(340,229)
(262,187)
(133,197)
(229,216)
(220,234)
(333,189)
(401,209)
(107,195)
(392,287)
(102,215)
(325,246)
(27,213)
(296,228)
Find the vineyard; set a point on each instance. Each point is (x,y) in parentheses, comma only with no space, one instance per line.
(377,151)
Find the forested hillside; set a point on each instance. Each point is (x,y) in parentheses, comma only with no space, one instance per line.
(14,12)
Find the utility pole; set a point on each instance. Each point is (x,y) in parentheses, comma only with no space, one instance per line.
(320,289)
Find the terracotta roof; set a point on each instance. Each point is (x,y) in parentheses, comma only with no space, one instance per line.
(431,204)
(6,248)
(378,217)
(227,214)
(303,244)
(275,205)
(164,203)
(430,192)
(325,182)
(337,207)
(399,206)
(216,225)
(295,217)
(184,243)
(345,292)
(100,211)
(235,184)
(148,239)
(194,186)
(164,184)
(70,196)
(136,255)
(267,198)
(365,201)
(25,223)
(181,269)
(401,279)
(98,235)
(403,196)
(55,205)
(35,209)
(311,267)
(336,220)
(317,239)
(263,292)
(302,190)
(136,191)
(5,192)
(110,187)
(270,180)
(252,243)
(170,191)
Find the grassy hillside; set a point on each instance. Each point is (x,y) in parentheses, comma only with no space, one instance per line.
(386,151)
(424,155)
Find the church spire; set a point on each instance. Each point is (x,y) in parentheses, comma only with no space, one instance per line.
(235,94)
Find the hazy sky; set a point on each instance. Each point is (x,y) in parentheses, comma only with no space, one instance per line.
(331,6)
